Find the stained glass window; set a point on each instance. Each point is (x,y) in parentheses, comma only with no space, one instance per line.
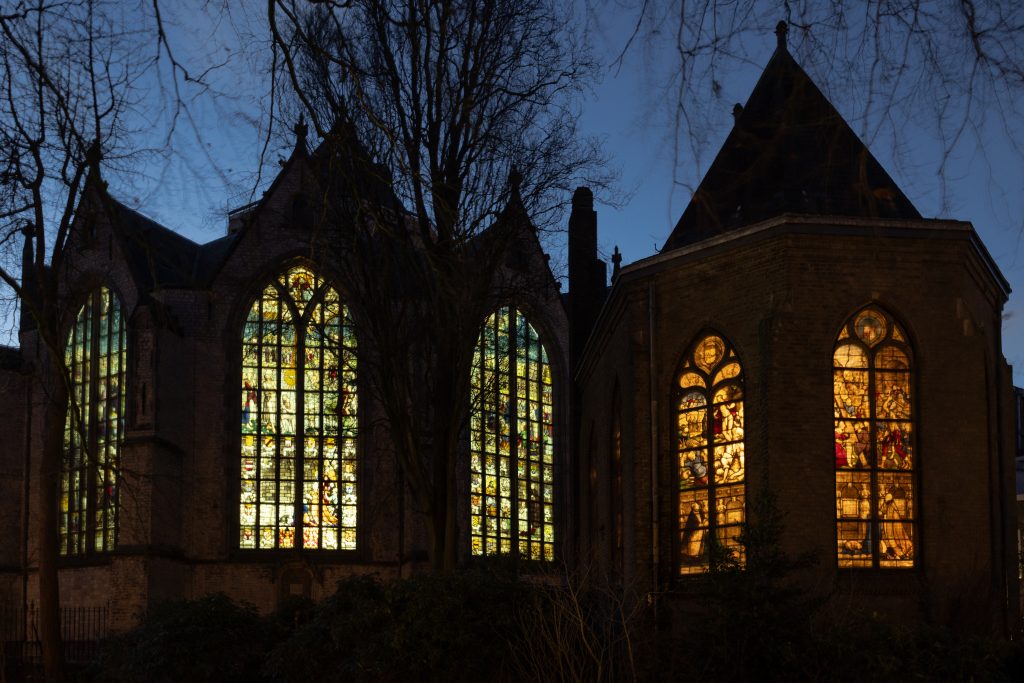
(511,441)
(299,424)
(874,443)
(712,472)
(94,429)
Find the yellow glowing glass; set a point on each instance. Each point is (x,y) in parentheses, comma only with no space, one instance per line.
(711,459)
(874,443)
(299,424)
(511,441)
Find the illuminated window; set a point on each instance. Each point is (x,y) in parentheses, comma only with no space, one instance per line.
(874,443)
(712,492)
(298,418)
(94,428)
(511,441)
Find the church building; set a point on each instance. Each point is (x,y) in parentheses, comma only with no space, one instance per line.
(804,344)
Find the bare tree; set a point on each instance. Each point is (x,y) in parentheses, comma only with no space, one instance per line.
(577,626)
(951,71)
(72,87)
(450,124)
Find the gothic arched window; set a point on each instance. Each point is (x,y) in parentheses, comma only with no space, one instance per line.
(712,492)
(511,441)
(94,429)
(299,424)
(874,442)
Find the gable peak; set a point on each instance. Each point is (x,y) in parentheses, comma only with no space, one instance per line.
(789,151)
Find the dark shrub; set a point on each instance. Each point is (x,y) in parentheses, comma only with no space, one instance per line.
(209,639)
(428,627)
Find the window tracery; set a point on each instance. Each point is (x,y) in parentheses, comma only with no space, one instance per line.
(299,426)
(95,356)
(710,451)
(511,441)
(874,443)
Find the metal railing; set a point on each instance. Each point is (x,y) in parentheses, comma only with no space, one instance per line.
(81,629)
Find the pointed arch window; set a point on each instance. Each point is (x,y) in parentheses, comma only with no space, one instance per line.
(874,443)
(511,441)
(299,427)
(94,430)
(712,472)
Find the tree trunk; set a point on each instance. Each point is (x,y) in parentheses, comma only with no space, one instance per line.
(54,415)
(441,537)
(451,554)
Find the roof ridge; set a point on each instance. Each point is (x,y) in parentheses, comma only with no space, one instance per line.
(789,151)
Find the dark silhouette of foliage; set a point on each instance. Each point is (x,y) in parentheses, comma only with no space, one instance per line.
(209,639)
(491,622)
(428,627)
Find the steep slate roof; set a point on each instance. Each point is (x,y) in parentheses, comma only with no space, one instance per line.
(157,256)
(790,151)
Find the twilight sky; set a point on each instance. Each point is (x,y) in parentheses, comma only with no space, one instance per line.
(216,153)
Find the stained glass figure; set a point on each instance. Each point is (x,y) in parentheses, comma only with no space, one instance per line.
(94,430)
(511,441)
(710,453)
(299,426)
(874,443)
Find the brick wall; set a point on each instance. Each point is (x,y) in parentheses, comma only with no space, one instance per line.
(780,297)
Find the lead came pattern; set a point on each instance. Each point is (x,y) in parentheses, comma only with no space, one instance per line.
(298,418)
(94,429)
(874,443)
(711,457)
(511,441)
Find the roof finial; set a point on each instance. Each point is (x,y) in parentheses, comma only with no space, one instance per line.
(737,109)
(781,29)
(93,155)
(616,261)
(27,259)
(301,130)
(515,179)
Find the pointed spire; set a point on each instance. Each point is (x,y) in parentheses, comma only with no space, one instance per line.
(93,157)
(301,130)
(616,261)
(515,180)
(781,29)
(803,158)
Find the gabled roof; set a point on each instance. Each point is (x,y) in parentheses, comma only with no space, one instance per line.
(790,151)
(157,256)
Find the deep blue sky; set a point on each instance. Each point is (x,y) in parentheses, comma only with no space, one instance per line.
(984,184)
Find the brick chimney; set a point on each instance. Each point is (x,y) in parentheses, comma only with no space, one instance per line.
(587,273)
